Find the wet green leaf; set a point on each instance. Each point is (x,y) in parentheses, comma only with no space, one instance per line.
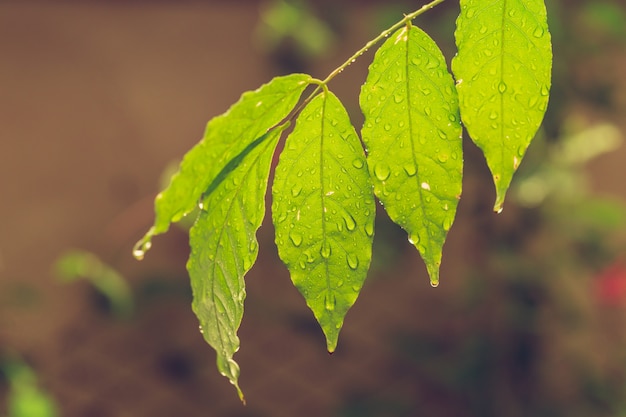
(226,136)
(224,248)
(503,72)
(323,211)
(412,132)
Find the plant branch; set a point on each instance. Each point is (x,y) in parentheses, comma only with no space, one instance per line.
(385,33)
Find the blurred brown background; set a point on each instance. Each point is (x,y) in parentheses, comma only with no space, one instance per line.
(97,98)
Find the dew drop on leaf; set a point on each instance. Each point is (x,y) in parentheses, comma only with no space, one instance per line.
(369,229)
(349,221)
(330,301)
(357,163)
(326,250)
(501,87)
(382,172)
(353,261)
(296,238)
(410,170)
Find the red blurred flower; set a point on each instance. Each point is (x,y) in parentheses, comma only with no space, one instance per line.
(610,285)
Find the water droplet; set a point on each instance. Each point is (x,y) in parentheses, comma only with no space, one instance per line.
(426,91)
(398,98)
(369,229)
(296,238)
(427,111)
(387,127)
(483,29)
(414,239)
(357,163)
(425,186)
(333,122)
(442,134)
(538,33)
(501,87)
(201,329)
(353,261)
(410,169)
(326,250)
(382,172)
(470,13)
(452,117)
(442,157)
(295,191)
(330,301)
(349,221)
(447,223)
(493,115)
(141,248)
(253,245)
(545,90)
(247,263)
(434,284)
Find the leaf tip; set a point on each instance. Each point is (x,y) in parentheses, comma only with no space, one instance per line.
(331,344)
(433,273)
(144,244)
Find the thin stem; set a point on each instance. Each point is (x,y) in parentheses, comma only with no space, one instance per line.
(385,33)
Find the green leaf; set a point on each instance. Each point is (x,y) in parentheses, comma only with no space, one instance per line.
(226,136)
(412,133)
(323,211)
(503,77)
(224,248)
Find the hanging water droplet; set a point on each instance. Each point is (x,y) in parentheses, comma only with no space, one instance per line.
(141,248)
(349,221)
(253,245)
(381,171)
(353,261)
(330,301)
(326,250)
(410,169)
(247,263)
(447,223)
(296,238)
